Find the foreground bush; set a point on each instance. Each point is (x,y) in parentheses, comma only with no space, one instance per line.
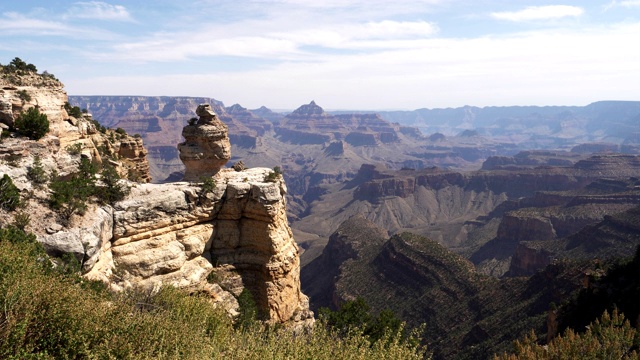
(32,124)
(610,337)
(9,194)
(49,315)
(70,196)
(356,314)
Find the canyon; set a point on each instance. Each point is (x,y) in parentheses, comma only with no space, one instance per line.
(483,212)
(461,186)
(473,229)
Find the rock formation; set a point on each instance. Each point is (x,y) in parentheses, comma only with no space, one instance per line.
(43,92)
(310,124)
(206,147)
(216,238)
(352,237)
(26,90)
(246,117)
(131,150)
(174,234)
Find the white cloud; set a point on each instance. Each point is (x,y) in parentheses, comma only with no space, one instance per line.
(532,13)
(282,56)
(183,47)
(99,10)
(372,35)
(552,67)
(19,24)
(388,29)
(14,22)
(263,42)
(623,3)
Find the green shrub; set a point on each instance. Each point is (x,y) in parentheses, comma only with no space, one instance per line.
(273,175)
(50,315)
(16,235)
(47,75)
(21,220)
(74,149)
(24,95)
(207,186)
(248,311)
(36,172)
(112,190)
(609,337)
(9,194)
(68,265)
(19,64)
(70,196)
(32,124)
(352,314)
(356,315)
(103,150)
(98,126)
(73,110)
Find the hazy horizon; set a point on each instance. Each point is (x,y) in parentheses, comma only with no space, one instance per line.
(330,110)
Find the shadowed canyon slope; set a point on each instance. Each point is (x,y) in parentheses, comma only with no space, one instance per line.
(466,314)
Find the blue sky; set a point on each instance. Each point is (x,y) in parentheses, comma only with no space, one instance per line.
(351,54)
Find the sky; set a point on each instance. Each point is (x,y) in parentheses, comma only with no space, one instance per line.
(345,55)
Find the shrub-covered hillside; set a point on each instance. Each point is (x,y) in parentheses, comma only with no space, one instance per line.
(51,313)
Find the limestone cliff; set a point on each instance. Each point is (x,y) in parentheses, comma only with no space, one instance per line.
(220,238)
(174,234)
(70,134)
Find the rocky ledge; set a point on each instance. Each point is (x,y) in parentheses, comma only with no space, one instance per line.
(220,241)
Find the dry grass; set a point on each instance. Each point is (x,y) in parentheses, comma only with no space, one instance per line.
(46,314)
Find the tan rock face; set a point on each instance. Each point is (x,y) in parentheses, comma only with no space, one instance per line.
(65,131)
(172,234)
(133,152)
(252,234)
(206,148)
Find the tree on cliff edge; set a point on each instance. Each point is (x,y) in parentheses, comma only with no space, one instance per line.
(32,124)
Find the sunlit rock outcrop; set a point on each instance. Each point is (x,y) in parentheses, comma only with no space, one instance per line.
(174,234)
(206,147)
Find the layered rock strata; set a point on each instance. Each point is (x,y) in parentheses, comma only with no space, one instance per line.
(206,147)
(173,234)
(68,135)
